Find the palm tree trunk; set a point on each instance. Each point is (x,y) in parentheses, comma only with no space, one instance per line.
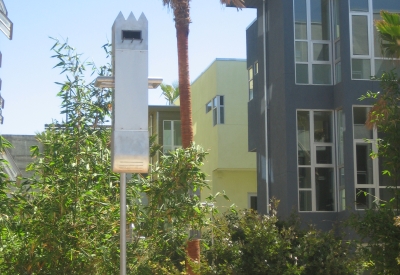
(182,21)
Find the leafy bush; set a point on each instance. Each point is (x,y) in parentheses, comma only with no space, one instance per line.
(247,243)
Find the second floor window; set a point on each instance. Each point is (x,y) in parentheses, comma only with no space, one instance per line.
(218,110)
(366,55)
(250,75)
(313,47)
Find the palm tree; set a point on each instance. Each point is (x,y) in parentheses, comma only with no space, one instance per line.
(170,92)
(181,9)
(389,31)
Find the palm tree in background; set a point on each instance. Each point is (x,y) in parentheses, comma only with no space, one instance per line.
(389,31)
(181,10)
(170,92)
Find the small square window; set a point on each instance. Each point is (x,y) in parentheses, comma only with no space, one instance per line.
(252,201)
(208,106)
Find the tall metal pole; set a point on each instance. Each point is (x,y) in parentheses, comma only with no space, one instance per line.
(122,239)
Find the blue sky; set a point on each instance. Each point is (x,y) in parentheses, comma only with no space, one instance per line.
(27,75)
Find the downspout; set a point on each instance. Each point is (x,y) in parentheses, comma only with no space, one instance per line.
(266,107)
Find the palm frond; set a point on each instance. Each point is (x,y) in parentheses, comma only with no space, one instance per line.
(237,3)
(389,31)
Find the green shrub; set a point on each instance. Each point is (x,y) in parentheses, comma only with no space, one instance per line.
(247,243)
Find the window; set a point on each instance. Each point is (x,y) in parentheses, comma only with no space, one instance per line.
(366,55)
(312,28)
(251,75)
(369,181)
(218,110)
(171,135)
(208,106)
(316,164)
(336,42)
(255,67)
(252,201)
(340,128)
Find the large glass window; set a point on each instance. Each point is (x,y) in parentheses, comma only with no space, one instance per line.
(370,184)
(316,160)
(312,23)
(171,135)
(367,58)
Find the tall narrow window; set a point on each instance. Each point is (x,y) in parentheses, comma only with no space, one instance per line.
(366,55)
(313,41)
(336,42)
(316,165)
(340,128)
(171,135)
(218,110)
(250,75)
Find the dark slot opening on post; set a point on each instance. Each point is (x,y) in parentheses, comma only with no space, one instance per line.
(131,35)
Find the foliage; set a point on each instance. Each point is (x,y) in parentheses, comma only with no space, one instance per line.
(68,221)
(385,115)
(171,212)
(170,92)
(247,243)
(377,228)
(379,238)
(389,31)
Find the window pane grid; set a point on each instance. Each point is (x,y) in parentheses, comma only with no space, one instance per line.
(313,30)
(172,139)
(218,110)
(370,184)
(316,161)
(366,54)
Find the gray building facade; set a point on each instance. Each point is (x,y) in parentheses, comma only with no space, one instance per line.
(309,61)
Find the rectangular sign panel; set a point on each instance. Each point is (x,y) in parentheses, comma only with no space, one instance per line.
(6,26)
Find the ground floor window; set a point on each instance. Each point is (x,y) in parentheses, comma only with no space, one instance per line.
(252,201)
(371,186)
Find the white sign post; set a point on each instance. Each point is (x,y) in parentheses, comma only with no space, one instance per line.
(130,135)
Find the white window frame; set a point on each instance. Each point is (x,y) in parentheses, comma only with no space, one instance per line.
(173,144)
(218,108)
(371,40)
(208,106)
(375,162)
(341,200)
(310,45)
(336,41)
(314,165)
(250,74)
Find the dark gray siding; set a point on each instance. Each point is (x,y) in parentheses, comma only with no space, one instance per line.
(285,98)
